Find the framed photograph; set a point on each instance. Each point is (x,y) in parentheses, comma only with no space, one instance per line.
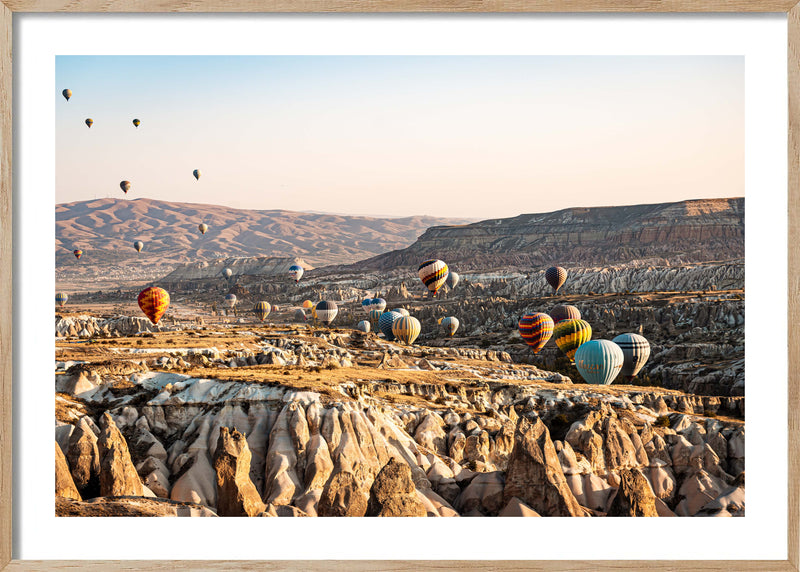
(419,266)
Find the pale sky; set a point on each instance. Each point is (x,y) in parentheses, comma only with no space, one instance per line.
(461,136)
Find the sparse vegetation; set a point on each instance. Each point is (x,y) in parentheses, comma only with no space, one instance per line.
(662,421)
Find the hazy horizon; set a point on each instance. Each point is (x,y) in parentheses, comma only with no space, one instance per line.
(392,137)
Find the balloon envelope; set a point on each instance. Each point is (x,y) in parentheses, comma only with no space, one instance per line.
(326,311)
(61,298)
(378,304)
(364,326)
(136,123)
(366,304)
(138,245)
(450,324)
(635,350)
(536,329)
(433,274)
(89,123)
(569,335)
(196,174)
(599,361)
(308,304)
(406,329)
(77,253)
(385,323)
(67,93)
(154,302)
(453,279)
(564,312)
(202,227)
(125,186)
(227,272)
(299,316)
(374,316)
(262,310)
(555,276)
(296,272)
(230,300)
(401,311)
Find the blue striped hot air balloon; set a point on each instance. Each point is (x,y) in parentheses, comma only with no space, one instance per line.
(61,299)
(366,304)
(374,316)
(636,350)
(406,329)
(386,321)
(378,304)
(296,272)
(599,361)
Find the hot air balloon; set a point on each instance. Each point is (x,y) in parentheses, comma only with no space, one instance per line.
(296,272)
(67,93)
(401,311)
(536,329)
(450,324)
(364,326)
(78,253)
(555,276)
(570,334)
(366,304)
(230,300)
(154,302)
(88,123)
(599,361)
(202,227)
(374,317)
(406,329)
(378,304)
(326,311)
(635,350)
(385,323)
(308,304)
(262,310)
(138,245)
(227,273)
(452,279)
(61,299)
(433,274)
(299,316)
(196,174)
(125,186)
(564,312)
(136,123)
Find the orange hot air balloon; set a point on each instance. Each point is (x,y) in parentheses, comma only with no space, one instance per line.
(154,302)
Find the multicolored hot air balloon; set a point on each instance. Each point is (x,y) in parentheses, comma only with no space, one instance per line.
(308,304)
(202,227)
(261,310)
(452,279)
(378,304)
(555,276)
(571,334)
(536,329)
(599,361)
(196,174)
(67,93)
(326,311)
(635,350)
(138,245)
(401,311)
(433,274)
(136,123)
(61,299)
(230,300)
(375,316)
(406,329)
(450,324)
(364,326)
(299,316)
(89,122)
(154,302)
(227,273)
(78,253)
(385,323)
(125,186)
(296,272)
(564,312)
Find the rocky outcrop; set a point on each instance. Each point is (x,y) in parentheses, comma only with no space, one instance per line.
(84,458)
(65,487)
(118,476)
(634,496)
(129,506)
(236,493)
(343,496)
(393,492)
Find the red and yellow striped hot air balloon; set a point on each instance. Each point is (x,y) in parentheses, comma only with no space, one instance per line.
(78,253)
(536,329)
(433,274)
(154,302)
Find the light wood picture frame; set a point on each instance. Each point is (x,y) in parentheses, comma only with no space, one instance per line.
(9,7)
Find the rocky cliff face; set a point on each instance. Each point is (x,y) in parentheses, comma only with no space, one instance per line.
(686,231)
(260,267)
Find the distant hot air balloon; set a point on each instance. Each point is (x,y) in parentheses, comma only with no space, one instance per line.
(326,311)
(230,300)
(374,317)
(364,326)
(635,350)
(536,329)
(406,329)
(385,324)
(138,245)
(61,299)
(227,273)
(296,272)
(453,279)
(136,123)
(378,304)
(571,334)
(78,253)
(262,310)
(564,312)
(89,123)
(401,311)
(125,186)
(450,324)
(67,93)
(555,276)
(433,274)
(299,316)
(366,304)
(154,302)
(202,227)
(599,361)
(196,174)
(308,304)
